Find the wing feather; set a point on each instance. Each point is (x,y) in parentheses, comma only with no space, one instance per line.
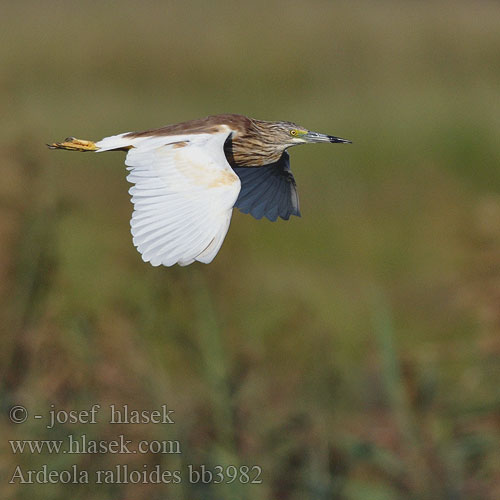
(268,191)
(183,196)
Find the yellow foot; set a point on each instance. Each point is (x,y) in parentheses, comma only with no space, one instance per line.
(73,144)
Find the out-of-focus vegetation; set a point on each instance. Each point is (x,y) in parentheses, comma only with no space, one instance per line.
(352,353)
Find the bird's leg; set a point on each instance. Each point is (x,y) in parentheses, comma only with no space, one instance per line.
(73,144)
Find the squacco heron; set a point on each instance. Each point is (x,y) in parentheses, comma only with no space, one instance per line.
(188,177)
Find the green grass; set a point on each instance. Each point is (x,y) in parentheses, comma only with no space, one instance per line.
(352,353)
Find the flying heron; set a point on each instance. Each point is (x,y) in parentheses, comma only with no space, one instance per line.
(188,177)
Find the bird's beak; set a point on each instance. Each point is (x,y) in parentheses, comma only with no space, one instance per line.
(315,137)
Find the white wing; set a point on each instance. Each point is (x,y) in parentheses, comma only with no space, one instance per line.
(183,196)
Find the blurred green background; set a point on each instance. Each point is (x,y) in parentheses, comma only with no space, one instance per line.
(352,353)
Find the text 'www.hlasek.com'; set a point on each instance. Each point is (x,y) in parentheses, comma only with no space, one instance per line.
(87,443)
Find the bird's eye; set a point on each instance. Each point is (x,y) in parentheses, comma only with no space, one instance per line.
(293,132)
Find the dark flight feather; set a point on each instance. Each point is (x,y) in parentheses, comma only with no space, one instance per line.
(268,191)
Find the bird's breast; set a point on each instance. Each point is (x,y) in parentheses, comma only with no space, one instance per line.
(243,151)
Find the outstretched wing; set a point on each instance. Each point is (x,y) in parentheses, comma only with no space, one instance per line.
(268,191)
(183,196)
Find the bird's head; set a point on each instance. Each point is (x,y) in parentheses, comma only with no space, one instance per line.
(291,134)
(263,142)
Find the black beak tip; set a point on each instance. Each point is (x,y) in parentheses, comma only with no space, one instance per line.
(338,139)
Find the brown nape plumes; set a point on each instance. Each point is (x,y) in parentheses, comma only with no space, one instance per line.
(189,176)
(260,143)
